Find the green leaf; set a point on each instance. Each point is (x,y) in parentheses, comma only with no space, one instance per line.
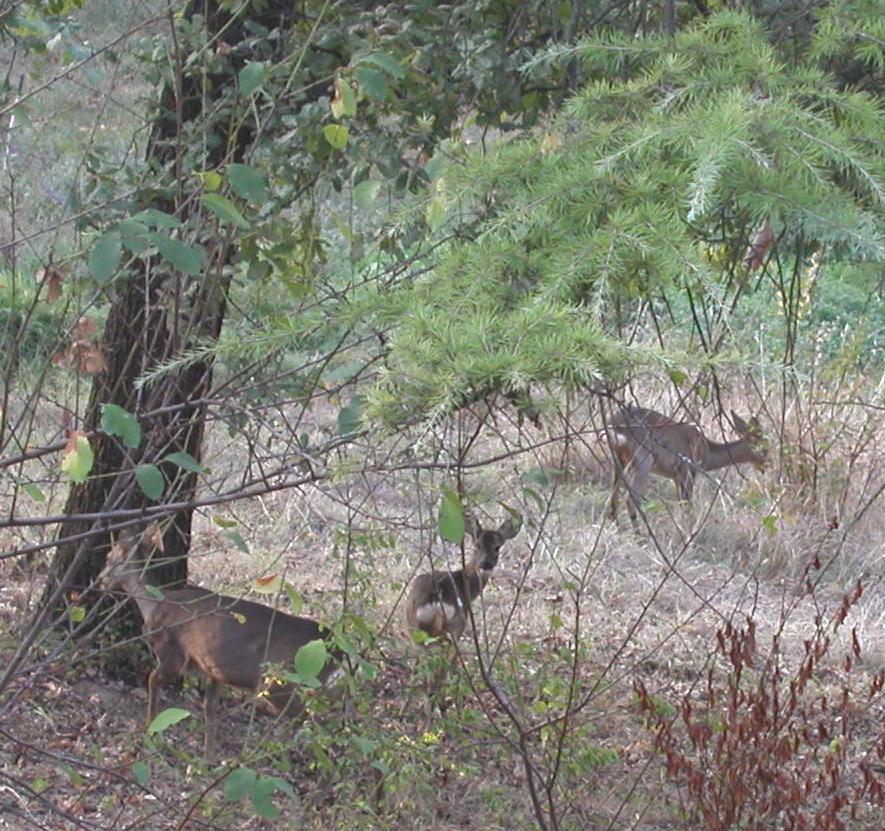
(116,421)
(211,180)
(247,182)
(262,791)
(387,62)
(141,771)
(185,461)
(295,600)
(769,523)
(344,102)
(251,77)
(239,783)
(76,614)
(365,193)
(451,517)
(363,745)
(186,258)
(350,417)
(336,135)
(236,538)
(135,235)
(34,492)
(224,522)
(162,721)
(372,82)
(224,209)
(310,660)
(150,480)
(678,377)
(156,219)
(78,461)
(104,259)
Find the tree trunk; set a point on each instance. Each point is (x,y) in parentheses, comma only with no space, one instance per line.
(156,315)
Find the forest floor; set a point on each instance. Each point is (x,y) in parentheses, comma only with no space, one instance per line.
(580,614)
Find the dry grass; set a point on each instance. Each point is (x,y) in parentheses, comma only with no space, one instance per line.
(579,610)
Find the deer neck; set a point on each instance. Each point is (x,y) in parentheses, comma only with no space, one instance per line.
(134,586)
(723,454)
(475,579)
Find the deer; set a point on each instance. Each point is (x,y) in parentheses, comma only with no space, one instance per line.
(645,441)
(438,601)
(226,640)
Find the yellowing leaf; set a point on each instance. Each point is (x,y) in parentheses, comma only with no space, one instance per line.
(268,585)
(78,457)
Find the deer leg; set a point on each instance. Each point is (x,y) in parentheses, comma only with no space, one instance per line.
(210,710)
(170,665)
(616,487)
(636,485)
(685,486)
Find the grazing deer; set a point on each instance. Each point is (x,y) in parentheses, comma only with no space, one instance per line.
(226,640)
(644,441)
(438,601)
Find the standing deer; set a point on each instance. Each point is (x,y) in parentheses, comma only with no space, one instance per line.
(644,441)
(438,601)
(226,640)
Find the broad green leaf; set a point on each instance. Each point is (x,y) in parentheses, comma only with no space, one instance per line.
(185,461)
(387,62)
(224,522)
(34,492)
(262,791)
(135,235)
(141,772)
(166,719)
(373,83)
(78,459)
(769,523)
(224,209)
(295,600)
(365,193)
(344,102)
(116,421)
(336,135)
(451,517)
(247,182)
(251,77)
(211,180)
(350,417)
(150,480)
(678,377)
(237,539)
(154,591)
(186,258)
(156,219)
(104,259)
(310,660)
(268,585)
(363,745)
(239,783)
(76,614)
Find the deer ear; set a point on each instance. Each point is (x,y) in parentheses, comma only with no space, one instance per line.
(509,529)
(471,526)
(739,424)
